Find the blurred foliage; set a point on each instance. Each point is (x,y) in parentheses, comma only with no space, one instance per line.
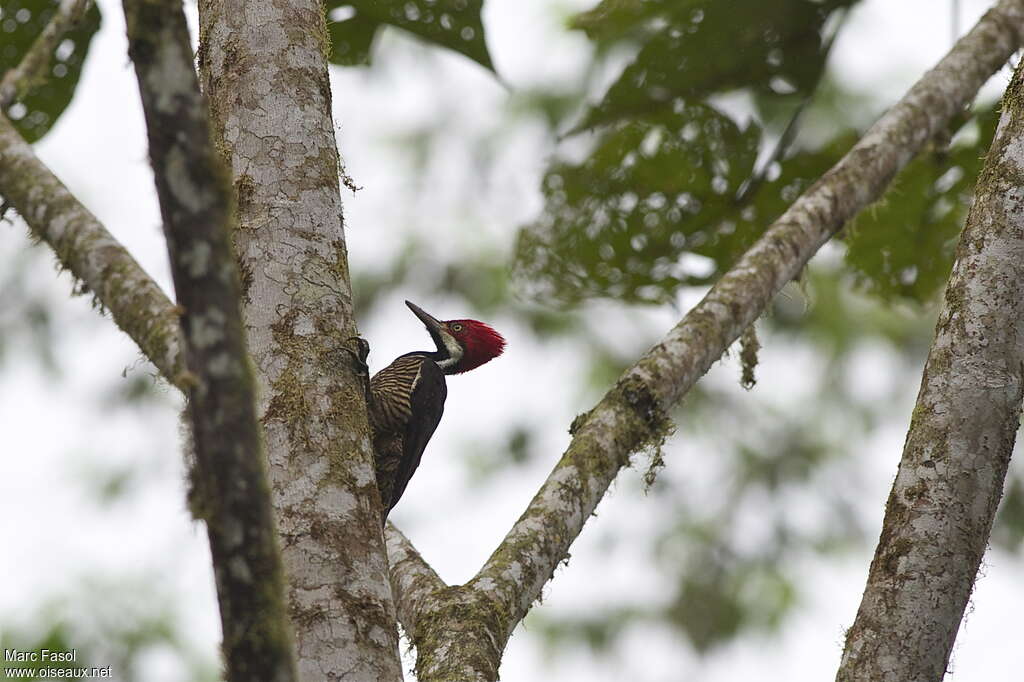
(689,49)
(671,173)
(21,22)
(118,622)
(454,24)
(617,224)
(26,317)
(1008,531)
(903,247)
(621,223)
(824,310)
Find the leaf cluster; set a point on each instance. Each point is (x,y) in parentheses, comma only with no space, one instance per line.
(37,107)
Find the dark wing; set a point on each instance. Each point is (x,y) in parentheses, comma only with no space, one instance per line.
(426,403)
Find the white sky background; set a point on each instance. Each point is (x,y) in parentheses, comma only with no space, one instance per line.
(57,534)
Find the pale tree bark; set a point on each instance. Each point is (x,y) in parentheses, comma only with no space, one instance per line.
(264,71)
(940,510)
(461,632)
(229,475)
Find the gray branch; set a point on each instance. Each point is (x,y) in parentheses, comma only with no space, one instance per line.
(82,245)
(940,510)
(418,588)
(85,248)
(231,490)
(34,65)
(633,414)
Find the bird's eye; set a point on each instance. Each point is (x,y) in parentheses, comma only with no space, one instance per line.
(456,327)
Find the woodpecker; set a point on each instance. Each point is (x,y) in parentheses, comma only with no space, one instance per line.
(406,398)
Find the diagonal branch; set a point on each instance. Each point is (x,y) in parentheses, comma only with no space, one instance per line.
(418,588)
(81,243)
(633,413)
(83,246)
(34,65)
(944,498)
(230,472)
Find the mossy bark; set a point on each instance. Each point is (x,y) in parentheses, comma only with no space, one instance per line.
(263,69)
(632,415)
(940,510)
(84,247)
(230,468)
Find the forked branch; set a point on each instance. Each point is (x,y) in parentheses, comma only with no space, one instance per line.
(634,412)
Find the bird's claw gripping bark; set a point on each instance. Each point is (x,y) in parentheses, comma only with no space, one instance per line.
(360,354)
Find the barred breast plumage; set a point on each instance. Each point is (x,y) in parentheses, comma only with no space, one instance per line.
(411,385)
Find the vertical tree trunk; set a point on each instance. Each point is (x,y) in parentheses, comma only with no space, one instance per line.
(264,70)
(230,469)
(940,510)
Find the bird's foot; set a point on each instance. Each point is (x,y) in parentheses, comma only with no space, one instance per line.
(360,354)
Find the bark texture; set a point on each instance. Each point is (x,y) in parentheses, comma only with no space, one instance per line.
(264,71)
(461,633)
(940,510)
(232,493)
(418,585)
(85,248)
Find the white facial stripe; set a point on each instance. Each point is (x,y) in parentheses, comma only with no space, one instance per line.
(454,351)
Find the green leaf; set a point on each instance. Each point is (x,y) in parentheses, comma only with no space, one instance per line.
(352,39)
(454,24)
(619,224)
(21,22)
(795,175)
(692,48)
(903,247)
(616,224)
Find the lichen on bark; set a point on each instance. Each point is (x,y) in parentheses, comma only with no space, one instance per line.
(231,490)
(90,253)
(627,418)
(263,68)
(950,479)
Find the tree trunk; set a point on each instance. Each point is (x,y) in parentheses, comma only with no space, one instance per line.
(229,474)
(265,74)
(940,510)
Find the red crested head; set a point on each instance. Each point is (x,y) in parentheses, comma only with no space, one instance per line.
(462,345)
(480,343)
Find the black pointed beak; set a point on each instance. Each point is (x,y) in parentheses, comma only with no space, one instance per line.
(432,324)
